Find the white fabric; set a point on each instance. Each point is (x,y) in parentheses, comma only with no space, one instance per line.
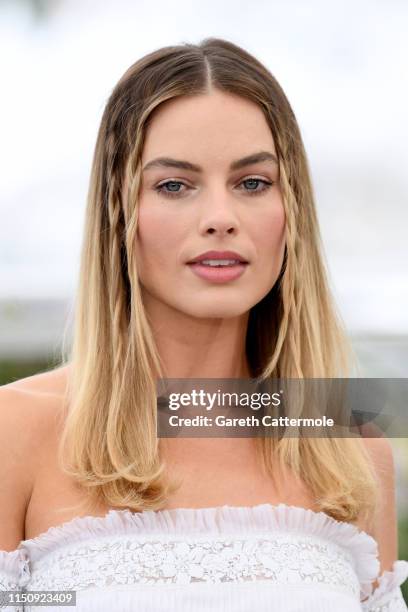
(240,559)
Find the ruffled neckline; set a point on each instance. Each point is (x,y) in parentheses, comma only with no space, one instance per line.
(215,521)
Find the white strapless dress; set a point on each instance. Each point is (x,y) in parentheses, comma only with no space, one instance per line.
(239,559)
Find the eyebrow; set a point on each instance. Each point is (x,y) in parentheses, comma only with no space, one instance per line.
(168,162)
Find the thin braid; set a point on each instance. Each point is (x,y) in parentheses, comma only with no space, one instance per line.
(145,350)
(116,288)
(289,328)
(291,296)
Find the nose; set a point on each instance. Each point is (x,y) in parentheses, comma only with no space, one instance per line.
(218,215)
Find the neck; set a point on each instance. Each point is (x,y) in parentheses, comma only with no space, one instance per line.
(191,347)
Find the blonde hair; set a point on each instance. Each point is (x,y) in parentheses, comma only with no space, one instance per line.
(109,442)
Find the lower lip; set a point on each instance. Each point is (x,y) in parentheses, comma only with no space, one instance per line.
(218,274)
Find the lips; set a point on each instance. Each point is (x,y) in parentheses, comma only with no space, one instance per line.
(230,267)
(230,256)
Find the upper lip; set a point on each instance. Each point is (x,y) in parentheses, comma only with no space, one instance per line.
(218,255)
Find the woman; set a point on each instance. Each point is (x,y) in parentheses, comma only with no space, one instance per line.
(198,159)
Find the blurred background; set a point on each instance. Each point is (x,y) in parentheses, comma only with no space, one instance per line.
(343,66)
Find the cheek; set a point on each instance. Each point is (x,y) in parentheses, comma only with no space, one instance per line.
(269,236)
(158,234)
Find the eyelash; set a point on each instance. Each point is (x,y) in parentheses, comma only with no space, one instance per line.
(174,194)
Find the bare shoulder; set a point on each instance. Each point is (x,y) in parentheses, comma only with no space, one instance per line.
(384,526)
(381,451)
(30,402)
(52,382)
(29,409)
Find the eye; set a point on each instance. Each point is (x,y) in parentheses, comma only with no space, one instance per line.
(253,182)
(173,189)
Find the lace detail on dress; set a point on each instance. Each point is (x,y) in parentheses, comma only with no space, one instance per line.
(285,545)
(225,554)
(14,569)
(9,570)
(225,523)
(128,561)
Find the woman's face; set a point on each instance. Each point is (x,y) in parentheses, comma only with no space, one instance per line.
(206,196)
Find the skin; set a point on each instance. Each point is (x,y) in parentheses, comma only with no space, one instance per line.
(214,209)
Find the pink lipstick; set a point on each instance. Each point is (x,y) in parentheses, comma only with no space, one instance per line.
(218,266)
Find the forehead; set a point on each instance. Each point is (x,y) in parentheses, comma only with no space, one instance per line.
(216,125)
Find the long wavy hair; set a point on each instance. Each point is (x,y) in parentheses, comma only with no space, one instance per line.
(109,442)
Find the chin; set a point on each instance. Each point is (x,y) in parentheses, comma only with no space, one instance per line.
(216,310)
